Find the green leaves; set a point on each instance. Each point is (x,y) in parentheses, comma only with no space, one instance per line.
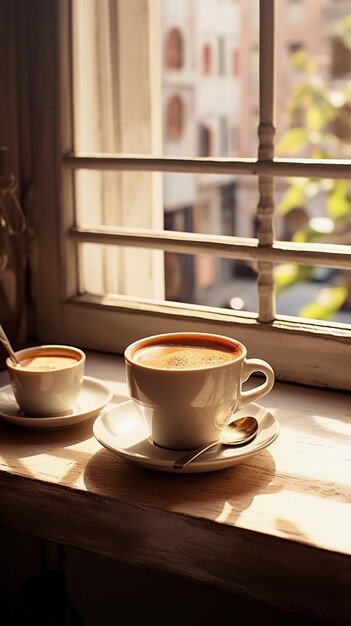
(293,197)
(339,202)
(327,303)
(345,30)
(287,274)
(294,140)
(302,62)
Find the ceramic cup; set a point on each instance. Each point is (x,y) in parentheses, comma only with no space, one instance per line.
(188,385)
(48,380)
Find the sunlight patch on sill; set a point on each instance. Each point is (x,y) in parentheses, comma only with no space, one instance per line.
(224,515)
(301,519)
(332,425)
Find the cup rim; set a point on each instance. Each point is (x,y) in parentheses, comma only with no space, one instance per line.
(32,350)
(154,339)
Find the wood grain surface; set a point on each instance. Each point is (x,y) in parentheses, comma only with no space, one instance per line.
(276,527)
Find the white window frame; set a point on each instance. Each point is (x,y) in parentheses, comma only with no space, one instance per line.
(299,350)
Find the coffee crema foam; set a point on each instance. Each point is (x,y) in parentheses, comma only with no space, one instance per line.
(185,356)
(50,362)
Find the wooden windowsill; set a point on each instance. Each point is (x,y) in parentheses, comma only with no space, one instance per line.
(275,527)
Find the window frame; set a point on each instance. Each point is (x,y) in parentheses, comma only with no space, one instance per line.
(300,351)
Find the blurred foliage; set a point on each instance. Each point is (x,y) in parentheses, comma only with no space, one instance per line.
(318,118)
(329,300)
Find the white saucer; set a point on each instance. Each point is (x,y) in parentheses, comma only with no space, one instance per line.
(122,430)
(92,399)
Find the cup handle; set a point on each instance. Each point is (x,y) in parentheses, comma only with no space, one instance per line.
(251,366)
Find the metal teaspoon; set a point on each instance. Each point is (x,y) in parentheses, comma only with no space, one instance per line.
(237,432)
(6,343)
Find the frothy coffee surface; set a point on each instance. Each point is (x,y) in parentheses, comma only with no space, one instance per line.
(184,356)
(45,362)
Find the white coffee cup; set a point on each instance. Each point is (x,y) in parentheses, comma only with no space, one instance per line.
(187,398)
(48,379)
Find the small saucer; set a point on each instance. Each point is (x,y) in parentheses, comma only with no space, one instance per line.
(92,399)
(122,431)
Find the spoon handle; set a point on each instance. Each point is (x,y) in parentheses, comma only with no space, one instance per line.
(4,340)
(190,456)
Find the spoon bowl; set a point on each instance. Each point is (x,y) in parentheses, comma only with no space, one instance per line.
(236,433)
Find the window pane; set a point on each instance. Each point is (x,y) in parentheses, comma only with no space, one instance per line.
(319,293)
(313,77)
(208,280)
(195,279)
(217,81)
(314,210)
(311,210)
(210,203)
(116,82)
(200,203)
(106,269)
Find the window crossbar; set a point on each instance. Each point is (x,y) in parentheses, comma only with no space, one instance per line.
(322,255)
(318,168)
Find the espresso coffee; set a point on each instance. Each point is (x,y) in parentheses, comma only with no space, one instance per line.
(187,385)
(47,362)
(186,354)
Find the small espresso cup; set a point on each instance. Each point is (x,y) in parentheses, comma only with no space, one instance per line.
(188,385)
(48,379)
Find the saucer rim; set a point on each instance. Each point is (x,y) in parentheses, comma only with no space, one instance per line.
(59,421)
(213,462)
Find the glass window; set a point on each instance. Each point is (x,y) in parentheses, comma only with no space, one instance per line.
(153,225)
(207,59)
(174,118)
(174,49)
(205,141)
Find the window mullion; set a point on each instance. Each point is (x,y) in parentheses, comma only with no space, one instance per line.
(265,208)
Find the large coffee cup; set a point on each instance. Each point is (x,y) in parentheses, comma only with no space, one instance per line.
(187,385)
